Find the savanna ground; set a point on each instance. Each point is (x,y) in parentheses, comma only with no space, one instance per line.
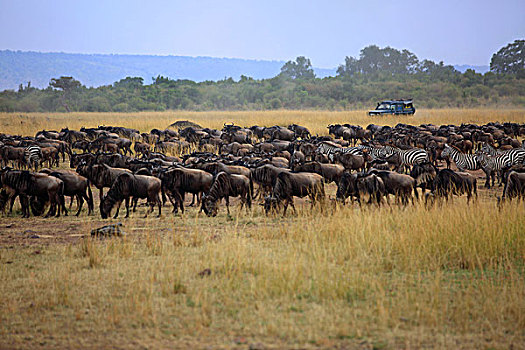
(451,276)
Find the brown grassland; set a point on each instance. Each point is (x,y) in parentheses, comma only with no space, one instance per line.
(450,276)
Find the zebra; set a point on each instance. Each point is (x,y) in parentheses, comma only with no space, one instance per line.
(514,156)
(33,156)
(463,161)
(407,157)
(329,150)
(373,152)
(493,165)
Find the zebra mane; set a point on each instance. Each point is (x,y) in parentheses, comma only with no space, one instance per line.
(455,148)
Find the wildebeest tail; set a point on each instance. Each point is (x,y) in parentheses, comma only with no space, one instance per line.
(60,199)
(91,205)
(251,194)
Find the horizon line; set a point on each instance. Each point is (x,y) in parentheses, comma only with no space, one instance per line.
(190,56)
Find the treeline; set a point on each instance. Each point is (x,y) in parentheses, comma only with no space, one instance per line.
(378,73)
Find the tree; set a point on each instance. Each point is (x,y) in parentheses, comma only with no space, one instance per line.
(67,85)
(300,69)
(374,59)
(131,83)
(509,59)
(350,67)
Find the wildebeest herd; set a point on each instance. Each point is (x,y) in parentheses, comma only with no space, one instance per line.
(279,162)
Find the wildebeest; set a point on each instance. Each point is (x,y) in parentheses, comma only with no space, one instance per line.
(351,161)
(225,186)
(400,185)
(357,185)
(514,180)
(142,148)
(372,185)
(289,185)
(265,176)
(330,172)
(347,187)
(14,155)
(448,182)
(127,186)
(424,175)
(100,175)
(26,184)
(176,182)
(76,186)
(300,131)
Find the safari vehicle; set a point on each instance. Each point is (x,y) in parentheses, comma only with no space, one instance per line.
(394,107)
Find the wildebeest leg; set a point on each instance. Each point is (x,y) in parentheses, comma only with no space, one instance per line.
(487,178)
(80,201)
(52,206)
(286,202)
(100,193)
(118,209)
(157,199)
(61,203)
(127,207)
(293,206)
(71,198)
(24,203)
(134,202)
(12,197)
(192,201)
(227,200)
(151,205)
(180,199)
(379,198)
(164,198)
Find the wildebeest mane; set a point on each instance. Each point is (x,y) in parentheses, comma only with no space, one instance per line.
(220,187)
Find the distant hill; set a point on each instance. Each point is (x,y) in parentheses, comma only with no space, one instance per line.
(479,69)
(18,67)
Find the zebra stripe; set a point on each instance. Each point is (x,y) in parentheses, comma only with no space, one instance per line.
(514,156)
(33,156)
(492,165)
(373,152)
(408,157)
(330,150)
(463,161)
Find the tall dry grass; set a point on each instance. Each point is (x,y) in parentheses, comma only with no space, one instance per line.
(316,121)
(450,276)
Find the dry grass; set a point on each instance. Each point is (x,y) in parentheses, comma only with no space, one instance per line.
(316,121)
(446,277)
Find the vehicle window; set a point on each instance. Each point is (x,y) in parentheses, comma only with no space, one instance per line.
(384,106)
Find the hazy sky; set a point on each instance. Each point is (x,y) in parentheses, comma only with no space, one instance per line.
(458,32)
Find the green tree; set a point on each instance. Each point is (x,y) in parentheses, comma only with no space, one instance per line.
(300,69)
(67,85)
(510,59)
(131,83)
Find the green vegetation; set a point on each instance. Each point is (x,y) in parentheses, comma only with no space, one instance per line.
(360,82)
